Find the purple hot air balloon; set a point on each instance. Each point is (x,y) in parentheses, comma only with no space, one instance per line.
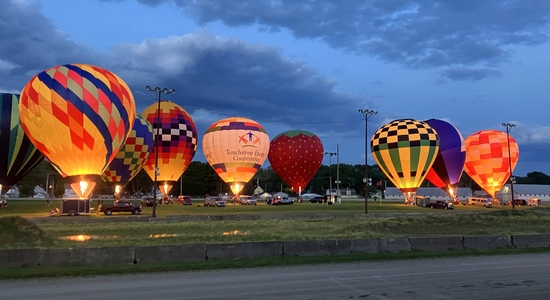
(447,169)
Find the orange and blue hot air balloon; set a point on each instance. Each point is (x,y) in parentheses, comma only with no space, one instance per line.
(405,150)
(131,158)
(235,148)
(177,143)
(447,168)
(78,116)
(18,156)
(487,161)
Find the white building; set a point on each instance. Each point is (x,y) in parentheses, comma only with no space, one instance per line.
(525,191)
(393,193)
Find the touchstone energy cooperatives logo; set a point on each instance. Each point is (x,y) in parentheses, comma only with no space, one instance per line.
(249,139)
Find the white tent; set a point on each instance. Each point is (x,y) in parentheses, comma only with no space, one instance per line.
(265,195)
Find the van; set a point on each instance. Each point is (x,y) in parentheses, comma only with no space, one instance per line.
(534,202)
(485,202)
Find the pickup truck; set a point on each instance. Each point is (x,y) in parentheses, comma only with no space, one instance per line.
(120,206)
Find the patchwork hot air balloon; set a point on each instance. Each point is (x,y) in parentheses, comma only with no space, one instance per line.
(177,143)
(295,156)
(131,158)
(78,116)
(18,156)
(447,168)
(487,161)
(405,150)
(236,148)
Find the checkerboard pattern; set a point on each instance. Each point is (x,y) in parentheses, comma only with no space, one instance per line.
(177,140)
(487,161)
(133,155)
(405,150)
(78,116)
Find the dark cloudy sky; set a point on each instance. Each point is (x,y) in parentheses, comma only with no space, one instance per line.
(307,64)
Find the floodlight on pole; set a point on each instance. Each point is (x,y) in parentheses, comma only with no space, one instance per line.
(157,126)
(367,113)
(509,126)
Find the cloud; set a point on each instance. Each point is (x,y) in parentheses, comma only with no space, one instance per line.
(469,74)
(414,34)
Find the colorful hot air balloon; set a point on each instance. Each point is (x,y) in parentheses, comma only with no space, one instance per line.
(177,143)
(18,156)
(405,150)
(447,168)
(487,161)
(295,156)
(236,148)
(78,117)
(132,156)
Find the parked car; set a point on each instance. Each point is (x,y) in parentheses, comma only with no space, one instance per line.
(485,202)
(519,202)
(441,204)
(215,201)
(282,200)
(185,200)
(147,201)
(120,206)
(317,199)
(247,200)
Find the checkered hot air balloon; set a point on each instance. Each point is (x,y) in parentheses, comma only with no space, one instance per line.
(131,158)
(487,160)
(447,168)
(405,150)
(236,148)
(296,156)
(18,156)
(78,116)
(177,143)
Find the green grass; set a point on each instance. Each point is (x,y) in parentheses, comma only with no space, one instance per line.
(22,273)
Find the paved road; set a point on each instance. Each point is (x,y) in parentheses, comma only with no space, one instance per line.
(494,277)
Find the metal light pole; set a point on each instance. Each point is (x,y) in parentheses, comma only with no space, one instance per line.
(338,194)
(330,154)
(158,126)
(509,126)
(367,114)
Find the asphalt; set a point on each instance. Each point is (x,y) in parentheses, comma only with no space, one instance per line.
(483,277)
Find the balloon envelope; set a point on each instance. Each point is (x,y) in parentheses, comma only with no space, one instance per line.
(77,116)
(405,150)
(176,145)
(18,156)
(487,161)
(133,154)
(296,156)
(449,162)
(236,148)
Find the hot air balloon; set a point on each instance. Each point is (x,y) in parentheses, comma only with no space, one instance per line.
(295,156)
(487,161)
(405,150)
(177,143)
(236,148)
(78,117)
(132,156)
(447,168)
(18,156)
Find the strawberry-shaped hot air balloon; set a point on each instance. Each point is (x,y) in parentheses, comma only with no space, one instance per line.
(487,160)
(405,150)
(295,156)
(131,158)
(235,148)
(78,116)
(177,143)
(447,168)
(18,156)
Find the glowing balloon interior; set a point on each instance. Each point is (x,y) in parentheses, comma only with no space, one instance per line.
(236,148)
(447,168)
(487,160)
(18,156)
(405,150)
(78,117)
(296,156)
(177,143)
(133,154)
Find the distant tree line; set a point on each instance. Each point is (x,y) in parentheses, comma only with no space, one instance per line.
(200,179)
